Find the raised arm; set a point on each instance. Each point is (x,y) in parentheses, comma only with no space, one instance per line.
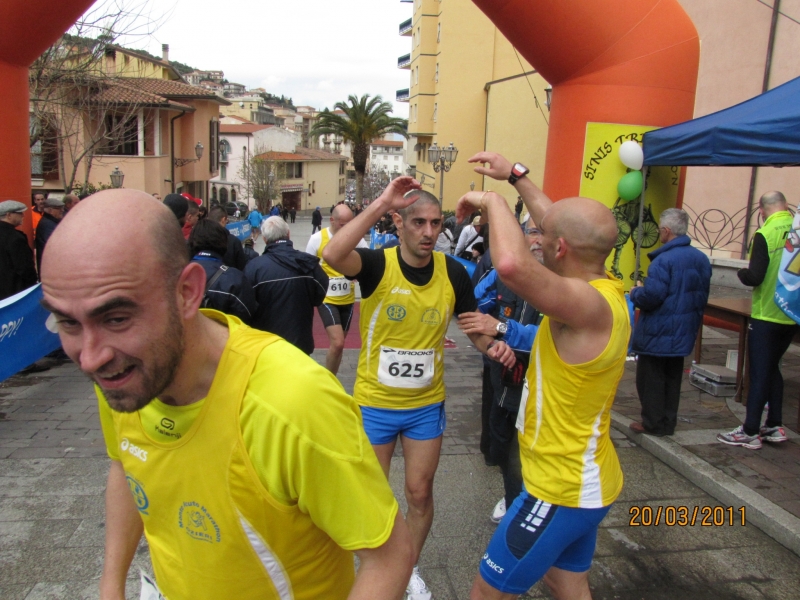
(548,292)
(340,252)
(123,531)
(499,168)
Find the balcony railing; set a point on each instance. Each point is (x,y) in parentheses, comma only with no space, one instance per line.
(404,61)
(406,27)
(402,95)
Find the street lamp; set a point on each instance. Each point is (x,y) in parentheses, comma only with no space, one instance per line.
(198,151)
(442,159)
(117,178)
(270,179)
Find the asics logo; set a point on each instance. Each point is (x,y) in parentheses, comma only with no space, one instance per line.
(132,449)
(398,290)
(492,565)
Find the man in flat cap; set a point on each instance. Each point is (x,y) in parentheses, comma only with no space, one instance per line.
(17,271)
(53,213)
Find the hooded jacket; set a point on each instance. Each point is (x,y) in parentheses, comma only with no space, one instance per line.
(288,285)
(672,299)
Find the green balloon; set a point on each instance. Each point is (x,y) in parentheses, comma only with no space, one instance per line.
(630,186)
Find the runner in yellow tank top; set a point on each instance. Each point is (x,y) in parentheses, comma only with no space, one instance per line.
(336,311)
(409,295)
(249,473)
(570,469)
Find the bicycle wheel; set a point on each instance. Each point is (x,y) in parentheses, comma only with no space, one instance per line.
(649,234)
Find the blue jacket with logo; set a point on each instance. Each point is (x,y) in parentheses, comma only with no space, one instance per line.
(672,299)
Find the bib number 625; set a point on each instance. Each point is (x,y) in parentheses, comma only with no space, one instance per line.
(405,370)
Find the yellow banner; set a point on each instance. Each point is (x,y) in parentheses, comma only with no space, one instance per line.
(602,170)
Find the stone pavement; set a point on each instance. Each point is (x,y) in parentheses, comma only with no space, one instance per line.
(53,468)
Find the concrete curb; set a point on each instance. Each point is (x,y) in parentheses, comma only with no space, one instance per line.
(770,518)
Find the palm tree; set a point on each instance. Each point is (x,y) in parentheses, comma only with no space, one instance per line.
(364,120)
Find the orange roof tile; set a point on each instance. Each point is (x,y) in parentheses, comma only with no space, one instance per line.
(172,89)
(379,142)
(244,128)
(119,93)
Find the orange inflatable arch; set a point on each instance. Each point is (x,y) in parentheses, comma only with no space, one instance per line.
(27,28)
(616,61)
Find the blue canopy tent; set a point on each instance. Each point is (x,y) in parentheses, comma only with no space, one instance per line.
(762,131)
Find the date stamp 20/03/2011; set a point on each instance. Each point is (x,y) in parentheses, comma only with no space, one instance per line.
(686,516)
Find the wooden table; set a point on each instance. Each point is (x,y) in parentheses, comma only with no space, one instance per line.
(735,311)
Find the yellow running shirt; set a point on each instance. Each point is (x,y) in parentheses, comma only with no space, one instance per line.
(567,455)
(260,490)
(401,364)
(340,289)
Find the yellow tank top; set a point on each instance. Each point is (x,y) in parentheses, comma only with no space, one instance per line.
(340,289)
(567,455)
(401,364)
(227,540)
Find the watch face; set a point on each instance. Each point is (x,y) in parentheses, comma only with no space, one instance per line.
(519,170)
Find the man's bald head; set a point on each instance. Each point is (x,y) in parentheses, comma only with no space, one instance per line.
(423,198)
(772,202)
(340,217)
(587,226)
(144,229)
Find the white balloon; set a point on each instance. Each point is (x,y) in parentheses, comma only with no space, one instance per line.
(631,155)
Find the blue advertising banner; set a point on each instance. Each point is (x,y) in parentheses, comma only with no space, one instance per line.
(468,264)
(24,337)
(241,229)
(787,290)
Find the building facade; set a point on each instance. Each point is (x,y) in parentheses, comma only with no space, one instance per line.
(468,86)
(143,119)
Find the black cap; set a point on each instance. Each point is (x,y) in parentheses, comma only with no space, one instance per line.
(177,204)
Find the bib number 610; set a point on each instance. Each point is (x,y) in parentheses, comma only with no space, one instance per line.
(405,369)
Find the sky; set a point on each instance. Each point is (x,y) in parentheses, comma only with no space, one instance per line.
(316,52)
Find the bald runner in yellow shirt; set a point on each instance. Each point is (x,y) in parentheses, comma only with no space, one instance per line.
(570,469)
(243,462)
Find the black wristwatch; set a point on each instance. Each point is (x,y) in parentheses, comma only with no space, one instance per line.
(502,329)
(517,171)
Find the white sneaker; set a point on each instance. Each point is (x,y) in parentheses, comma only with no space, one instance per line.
(417,590)
(499,511)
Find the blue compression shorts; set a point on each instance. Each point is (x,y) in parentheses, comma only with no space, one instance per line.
(536,535)
(383,425)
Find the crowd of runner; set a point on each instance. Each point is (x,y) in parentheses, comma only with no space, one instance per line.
(253,473)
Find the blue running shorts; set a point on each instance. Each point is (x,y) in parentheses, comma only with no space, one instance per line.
(536,535)
(383,425)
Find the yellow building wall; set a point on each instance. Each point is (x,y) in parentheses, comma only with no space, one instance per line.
(517,129)
(323,177)
(474,109)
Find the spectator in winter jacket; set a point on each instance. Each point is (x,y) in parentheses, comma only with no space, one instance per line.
(17,271)
(671,305)
(227,289)
(288,284)
(249,251)
(234,256)
(53,213)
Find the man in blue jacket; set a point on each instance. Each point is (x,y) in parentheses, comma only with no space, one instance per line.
(671,311)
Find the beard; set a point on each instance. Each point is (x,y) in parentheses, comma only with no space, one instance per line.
(157,376)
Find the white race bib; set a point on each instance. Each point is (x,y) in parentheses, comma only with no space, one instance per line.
(401,368)
(338,287)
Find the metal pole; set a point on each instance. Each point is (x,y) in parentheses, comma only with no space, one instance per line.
(640,230)
(764,87)
(441,185)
